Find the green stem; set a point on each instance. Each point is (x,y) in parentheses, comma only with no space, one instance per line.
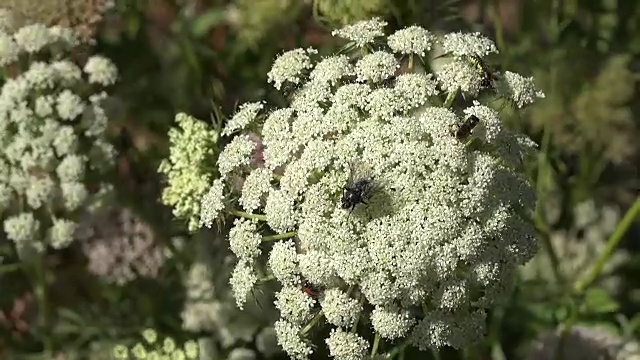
(436,354)
(40,291)
(279,236)
(450,98)
(632,214)
(494,13)
(586,281)
(410,65)
(247,215)
(540,222)
(398,349)
(312,323)
(376,343)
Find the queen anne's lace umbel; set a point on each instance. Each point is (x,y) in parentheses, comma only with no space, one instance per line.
(52,134)
(436,241)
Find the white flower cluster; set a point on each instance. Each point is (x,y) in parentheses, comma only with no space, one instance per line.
(378,197)
(52,127)
(187,174)
(119,245)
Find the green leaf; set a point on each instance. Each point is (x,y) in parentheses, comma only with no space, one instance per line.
(598,301)
(70,316)
(203,23)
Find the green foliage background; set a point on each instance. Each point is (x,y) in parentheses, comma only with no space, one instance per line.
(203,57)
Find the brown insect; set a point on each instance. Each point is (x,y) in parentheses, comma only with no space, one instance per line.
(463,130)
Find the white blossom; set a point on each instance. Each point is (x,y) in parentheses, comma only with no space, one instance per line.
(362,33)
(346,346)
(101,70)
(390,322)
(372,189)
(22,228)
(246,115)
(244,240)
(33,38)
(468,44)
(339,309)
(376,66)
(61,233)
(294,304)
(289,339)
(519,89)
(242,281)
(289,67)
(212,203)
(411,40)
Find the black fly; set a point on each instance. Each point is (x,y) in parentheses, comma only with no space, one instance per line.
(357,191)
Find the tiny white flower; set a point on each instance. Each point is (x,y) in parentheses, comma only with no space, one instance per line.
(101,70)
(415,89)
(61,233)
(22,228)
(74,195)
(244,240)
(9,50)
(521,90)
(294,305)
(289,67)
(68,73)
(346,345)
(236,154)
(310,95)
(242,281)
(468,44)
(33,38)
(40,76)
(376,67)
(283,262)
(332,69)
(69,105)
(453,295)
(40,191)
(44,105)
(66,141)
(246,115)
(71,168)
(64,35)
(390,322)
(289,339)
(383,103)
(212,203)
(280,211)
(362,33)
(255,186)
(411,40)
(339,309)
(459,75)
(352,95)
